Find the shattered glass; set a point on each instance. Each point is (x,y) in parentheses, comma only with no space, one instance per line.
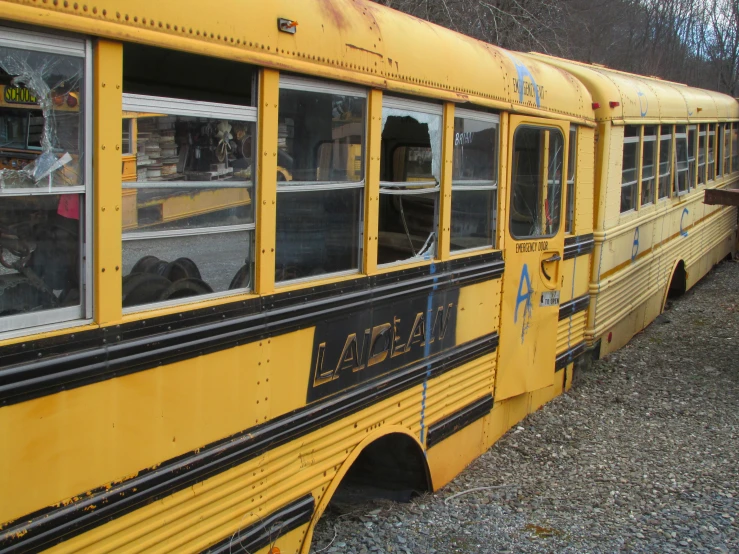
(42,181)
(536,197)
(40,90)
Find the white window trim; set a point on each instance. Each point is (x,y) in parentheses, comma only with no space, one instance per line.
(188,108)
(290,82)
(412,105)
(479,116)
(22,39)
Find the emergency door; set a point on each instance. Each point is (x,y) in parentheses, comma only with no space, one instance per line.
(534,248)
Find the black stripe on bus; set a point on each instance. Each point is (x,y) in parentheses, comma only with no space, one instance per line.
(574,306)
(579,245)
(54,524)
(267,530)
(46,366)
(569,356)
(459,420)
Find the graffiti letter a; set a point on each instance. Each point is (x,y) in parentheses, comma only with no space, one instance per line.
(523,296)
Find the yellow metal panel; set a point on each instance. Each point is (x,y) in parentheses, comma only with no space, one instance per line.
(107,218)
(269,95)
(453,454)
(171,409)
(478,313)
(445,209)
(372,185)
(584,181)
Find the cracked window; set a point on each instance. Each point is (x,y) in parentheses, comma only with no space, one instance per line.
(410,168)
(42,182)
(536,182)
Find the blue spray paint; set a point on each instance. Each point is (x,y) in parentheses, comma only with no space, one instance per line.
(635,245)
(524,297)
(427,351)
(523,74)
(682,231)
(643,103)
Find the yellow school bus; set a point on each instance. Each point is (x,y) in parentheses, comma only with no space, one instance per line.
(661,145)
(305,246)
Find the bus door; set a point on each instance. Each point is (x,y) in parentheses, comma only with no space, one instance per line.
(534,251)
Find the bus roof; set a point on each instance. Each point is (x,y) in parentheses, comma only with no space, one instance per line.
(645,99)
(350,40)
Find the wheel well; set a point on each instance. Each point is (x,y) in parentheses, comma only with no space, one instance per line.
(393,467)
(679,281)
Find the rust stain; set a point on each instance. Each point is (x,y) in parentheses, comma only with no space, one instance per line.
(333,12)
(364,50)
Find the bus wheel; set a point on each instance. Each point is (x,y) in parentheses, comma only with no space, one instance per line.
(242,279)
(188,268)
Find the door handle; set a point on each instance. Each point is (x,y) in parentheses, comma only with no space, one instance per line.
(554,258)
(550,259)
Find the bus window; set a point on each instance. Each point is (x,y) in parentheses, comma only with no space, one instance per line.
(44,179)
(571,164)
(536,182)
(692,136)
(320,188)
(187,178)
(719,150)
(710,161)
(410,169)
(649,148)
(702,147)
(665,165)
(630,168)
(727,148)
(735,146)
(681,160)
(474,180)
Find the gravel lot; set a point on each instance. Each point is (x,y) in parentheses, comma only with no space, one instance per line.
(642,455)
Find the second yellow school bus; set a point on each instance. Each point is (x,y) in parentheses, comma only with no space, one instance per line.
(280,248)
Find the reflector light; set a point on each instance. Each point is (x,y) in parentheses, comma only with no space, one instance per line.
(613,104)
(596,105)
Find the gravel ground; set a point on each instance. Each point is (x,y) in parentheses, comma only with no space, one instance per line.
(642,455)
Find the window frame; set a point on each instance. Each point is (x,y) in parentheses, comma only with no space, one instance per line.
(544,177)
(711,149)
(637,173)
(304,84)
(644,139)
(675,168)
(192,108)
(727,149)
(71,316)
(671,142)
(484,184)
(692,175)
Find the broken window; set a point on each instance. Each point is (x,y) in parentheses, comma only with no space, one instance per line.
(630,168)
(188,185)
(320,181)
(681,160)
(665,164)
(44,177)
(474,180)
(536,182)
(649,150)
(410,170)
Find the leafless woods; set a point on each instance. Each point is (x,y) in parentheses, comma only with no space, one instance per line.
(690,41)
